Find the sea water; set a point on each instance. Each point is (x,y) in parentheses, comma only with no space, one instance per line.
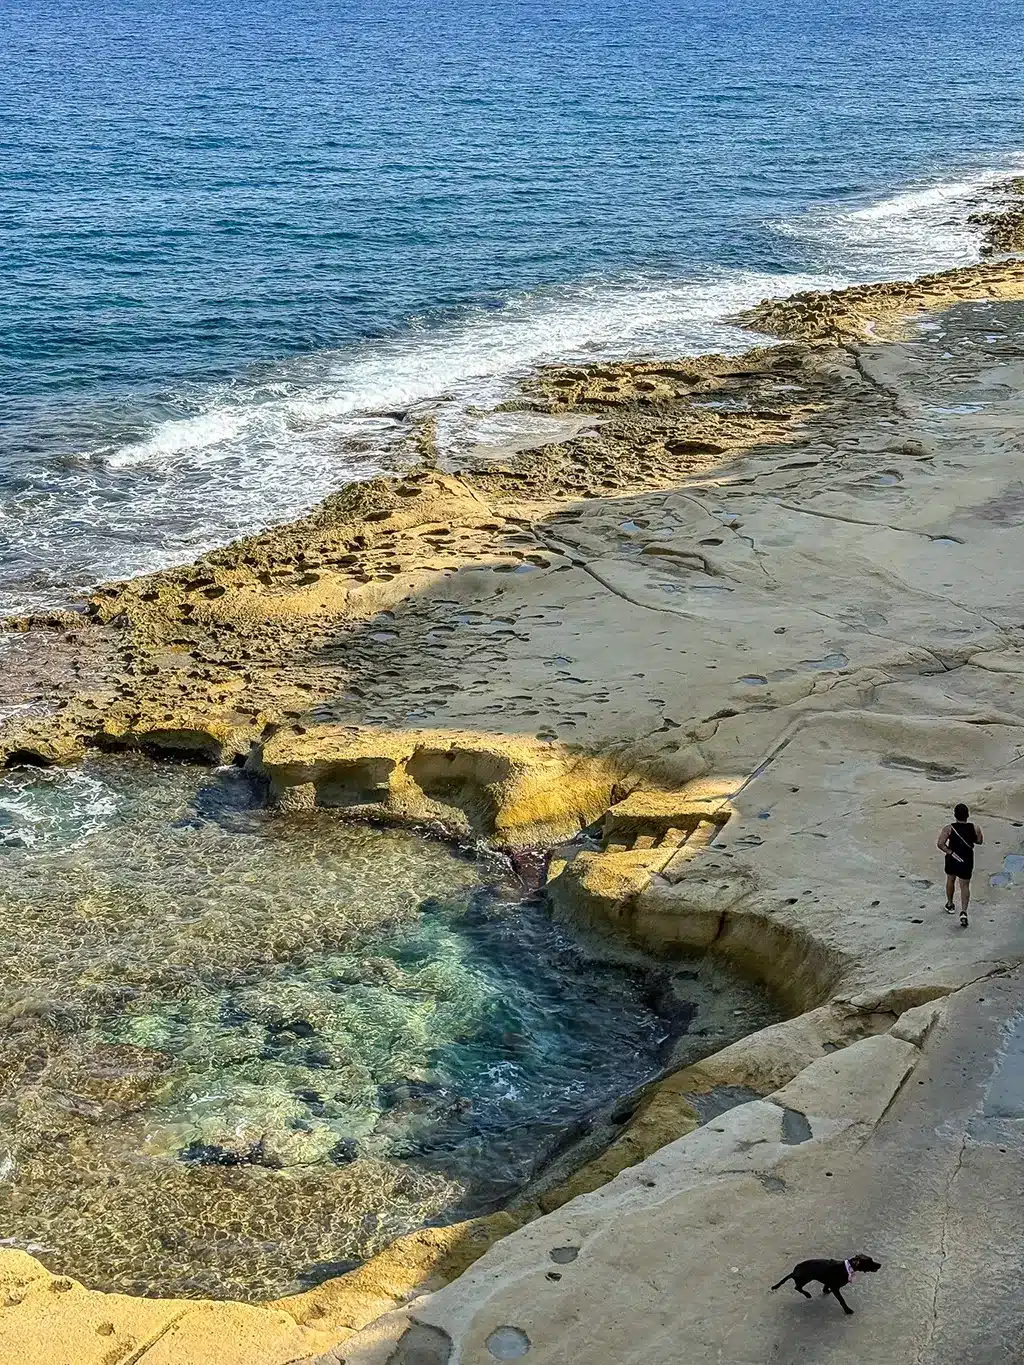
(240,1051)
(245,247)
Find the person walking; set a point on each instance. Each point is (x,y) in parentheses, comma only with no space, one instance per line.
(957,842)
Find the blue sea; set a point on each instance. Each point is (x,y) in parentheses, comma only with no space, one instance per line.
(245,247)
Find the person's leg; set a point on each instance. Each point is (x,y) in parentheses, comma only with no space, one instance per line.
(950,885)
(965,894)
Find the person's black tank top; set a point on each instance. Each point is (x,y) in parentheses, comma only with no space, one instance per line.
(962,841)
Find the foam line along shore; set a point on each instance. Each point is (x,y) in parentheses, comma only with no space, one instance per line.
(129,482)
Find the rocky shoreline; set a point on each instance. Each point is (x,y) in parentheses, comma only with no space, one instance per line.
(761,621)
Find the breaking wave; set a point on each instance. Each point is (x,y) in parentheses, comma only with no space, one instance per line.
(159,484)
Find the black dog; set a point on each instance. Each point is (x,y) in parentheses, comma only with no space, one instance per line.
(833,1275)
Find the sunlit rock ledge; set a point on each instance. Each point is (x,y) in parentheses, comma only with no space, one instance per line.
(815,598)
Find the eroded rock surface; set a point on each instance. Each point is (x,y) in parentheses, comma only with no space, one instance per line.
(800,611)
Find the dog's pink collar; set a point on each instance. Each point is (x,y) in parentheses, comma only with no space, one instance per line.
(849,1270)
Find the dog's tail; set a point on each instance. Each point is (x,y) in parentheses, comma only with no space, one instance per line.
(790,1276)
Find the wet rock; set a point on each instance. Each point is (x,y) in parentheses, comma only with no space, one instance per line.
(668,995)
(215,1154)
(323,1271)
(343,1152)
(409,1096)
(373,971)
(211,1154)
(118,1077)
(865,311)
(288,1031)
(529,865)
(29,1014)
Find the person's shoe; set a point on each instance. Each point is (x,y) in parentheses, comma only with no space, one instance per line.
(950,907)
(963,919)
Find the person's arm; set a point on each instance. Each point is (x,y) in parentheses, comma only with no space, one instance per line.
(978,836)
(943,844)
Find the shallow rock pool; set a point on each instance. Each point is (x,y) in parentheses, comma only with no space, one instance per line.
(242,1051)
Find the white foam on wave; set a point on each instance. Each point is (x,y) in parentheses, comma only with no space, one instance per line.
(902,207)
(239,456)
(908,233)
(267,447)
(62,806)
(355,393)
(329,398)
(181,436)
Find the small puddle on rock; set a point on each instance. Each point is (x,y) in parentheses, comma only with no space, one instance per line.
(934,772)
(795,1128)
(508,1343)
(1004,1094)
(1012,873)
(835,660)
(712,1104)
(244,1050)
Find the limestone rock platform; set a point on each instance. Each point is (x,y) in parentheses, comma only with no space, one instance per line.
(735,649)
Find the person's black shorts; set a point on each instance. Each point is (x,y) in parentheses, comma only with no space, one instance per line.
(955,868)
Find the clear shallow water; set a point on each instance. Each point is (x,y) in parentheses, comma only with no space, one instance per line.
(239,1052)
(245,246)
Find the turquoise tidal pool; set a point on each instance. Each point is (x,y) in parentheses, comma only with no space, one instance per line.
(241,1051)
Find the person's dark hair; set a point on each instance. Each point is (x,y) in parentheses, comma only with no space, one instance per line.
(961,812)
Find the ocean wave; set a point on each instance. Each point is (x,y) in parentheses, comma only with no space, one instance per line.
(915,230)
(181,436)
(474,357)
(225,459)
(367,391)
(237,457)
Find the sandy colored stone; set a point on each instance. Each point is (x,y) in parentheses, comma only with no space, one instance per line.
(655,813)
(426,1258)
(1004,225)
(770,1058)
(596,890)
(233,1334)
(810,602)
(856,1083)
(914,1025)
(515,791)
(46,1319)
(865,311)
(646,1215)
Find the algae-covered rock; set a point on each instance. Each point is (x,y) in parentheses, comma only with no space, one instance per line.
(121,1076)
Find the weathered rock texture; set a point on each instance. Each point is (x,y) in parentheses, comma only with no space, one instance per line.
(512,791)
(904,1144)
(868,312)
(1004,226)
(769,645)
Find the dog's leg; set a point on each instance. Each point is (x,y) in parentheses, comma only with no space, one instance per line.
(798,1285)
(846,1307)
